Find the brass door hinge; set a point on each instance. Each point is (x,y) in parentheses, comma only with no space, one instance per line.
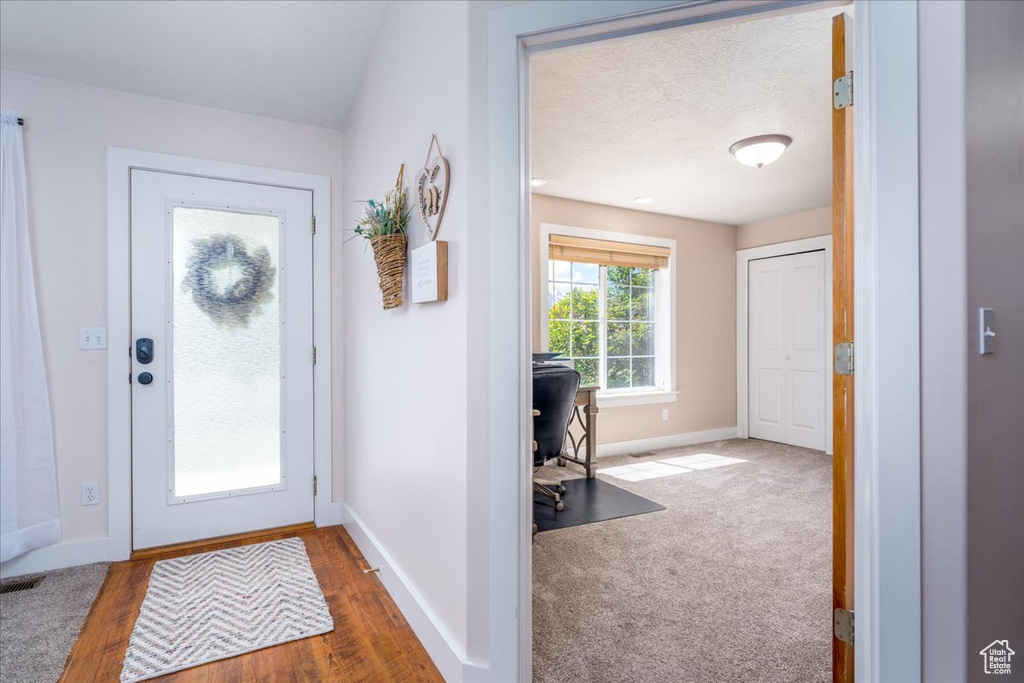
(314,225)
(314,355)
(314,484)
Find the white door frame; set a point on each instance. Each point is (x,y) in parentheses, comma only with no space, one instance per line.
(119,482)
(887,431)
(743,259)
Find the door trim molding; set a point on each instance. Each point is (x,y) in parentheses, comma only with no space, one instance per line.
(119,483)
(743,259)
(887,324)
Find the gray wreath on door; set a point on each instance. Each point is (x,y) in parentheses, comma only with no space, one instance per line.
(237,303)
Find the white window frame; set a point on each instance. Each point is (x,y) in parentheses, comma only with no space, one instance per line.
(664,303)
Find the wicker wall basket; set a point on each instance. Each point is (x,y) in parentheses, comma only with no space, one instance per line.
(389,251)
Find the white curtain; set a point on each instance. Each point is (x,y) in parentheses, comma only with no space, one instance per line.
(29,513)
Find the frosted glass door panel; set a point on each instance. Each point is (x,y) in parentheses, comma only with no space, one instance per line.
(225,352)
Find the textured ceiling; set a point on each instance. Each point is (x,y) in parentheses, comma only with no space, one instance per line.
(298,61)
(655,115)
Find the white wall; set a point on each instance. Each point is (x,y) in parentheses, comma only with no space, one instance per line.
(405,370)
(68,129)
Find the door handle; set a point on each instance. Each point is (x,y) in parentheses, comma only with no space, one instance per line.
(144,351)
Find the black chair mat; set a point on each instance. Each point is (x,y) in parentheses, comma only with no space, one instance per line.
(587,501)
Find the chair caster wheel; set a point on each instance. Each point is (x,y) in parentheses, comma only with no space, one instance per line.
(559,505)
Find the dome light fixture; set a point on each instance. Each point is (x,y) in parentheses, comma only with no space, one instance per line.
(760,149)
(643,200)
(538,182)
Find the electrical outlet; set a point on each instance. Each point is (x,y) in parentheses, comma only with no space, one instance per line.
(92,338)
(90,493)
(664,414)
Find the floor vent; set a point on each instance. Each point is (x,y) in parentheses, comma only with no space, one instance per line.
(20,585)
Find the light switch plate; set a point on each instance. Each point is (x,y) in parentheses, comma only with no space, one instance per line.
(986,331)
(92,338)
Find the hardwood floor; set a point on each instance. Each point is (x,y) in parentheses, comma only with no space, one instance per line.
(371,640)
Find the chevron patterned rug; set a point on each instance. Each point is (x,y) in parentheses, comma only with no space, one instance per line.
(201,608)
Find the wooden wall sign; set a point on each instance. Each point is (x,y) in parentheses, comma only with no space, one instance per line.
(429,272)
(432,189)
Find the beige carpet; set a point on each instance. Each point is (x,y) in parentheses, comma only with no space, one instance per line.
(39,626)
(731,583)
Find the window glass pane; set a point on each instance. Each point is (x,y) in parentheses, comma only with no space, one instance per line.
(642,277)
(225,351)
(558,337)
(588,368)
(562,270)
(584,339)
(641,303)
(618,373)
(643,372)
(618,339)
(618,302)
(558,304)
(643,339)
(584,302)
(618,275)
(585,273)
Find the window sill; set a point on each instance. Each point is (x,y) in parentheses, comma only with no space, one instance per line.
(640,398)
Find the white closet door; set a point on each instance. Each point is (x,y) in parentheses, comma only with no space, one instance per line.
(787,350)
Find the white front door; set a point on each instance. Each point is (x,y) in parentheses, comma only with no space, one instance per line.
(222,372)
(787,349)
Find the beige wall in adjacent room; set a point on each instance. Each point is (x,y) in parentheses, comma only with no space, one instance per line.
(794,226)
(705,316)
(68,127)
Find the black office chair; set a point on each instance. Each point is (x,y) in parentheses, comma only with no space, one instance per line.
(554,392)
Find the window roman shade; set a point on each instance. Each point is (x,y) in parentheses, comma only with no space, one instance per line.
(606,252)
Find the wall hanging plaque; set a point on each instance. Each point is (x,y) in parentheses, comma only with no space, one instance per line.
(432,189)
(429,272)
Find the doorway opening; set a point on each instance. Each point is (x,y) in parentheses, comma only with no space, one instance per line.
(644,210)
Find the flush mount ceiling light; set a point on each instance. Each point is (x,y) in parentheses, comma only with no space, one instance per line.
(537,182)
(760,149)
(643,200)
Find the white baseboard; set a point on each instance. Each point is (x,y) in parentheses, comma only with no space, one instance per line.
(447,658)
(57,556)
(671,441)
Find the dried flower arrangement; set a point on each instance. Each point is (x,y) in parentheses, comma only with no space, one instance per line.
(385,225)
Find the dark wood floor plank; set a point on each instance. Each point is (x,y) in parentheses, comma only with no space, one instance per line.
(371,640)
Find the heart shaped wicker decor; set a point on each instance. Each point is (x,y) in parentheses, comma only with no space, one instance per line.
(432,189)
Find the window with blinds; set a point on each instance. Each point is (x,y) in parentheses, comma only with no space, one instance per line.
(607,304)
(607,253)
